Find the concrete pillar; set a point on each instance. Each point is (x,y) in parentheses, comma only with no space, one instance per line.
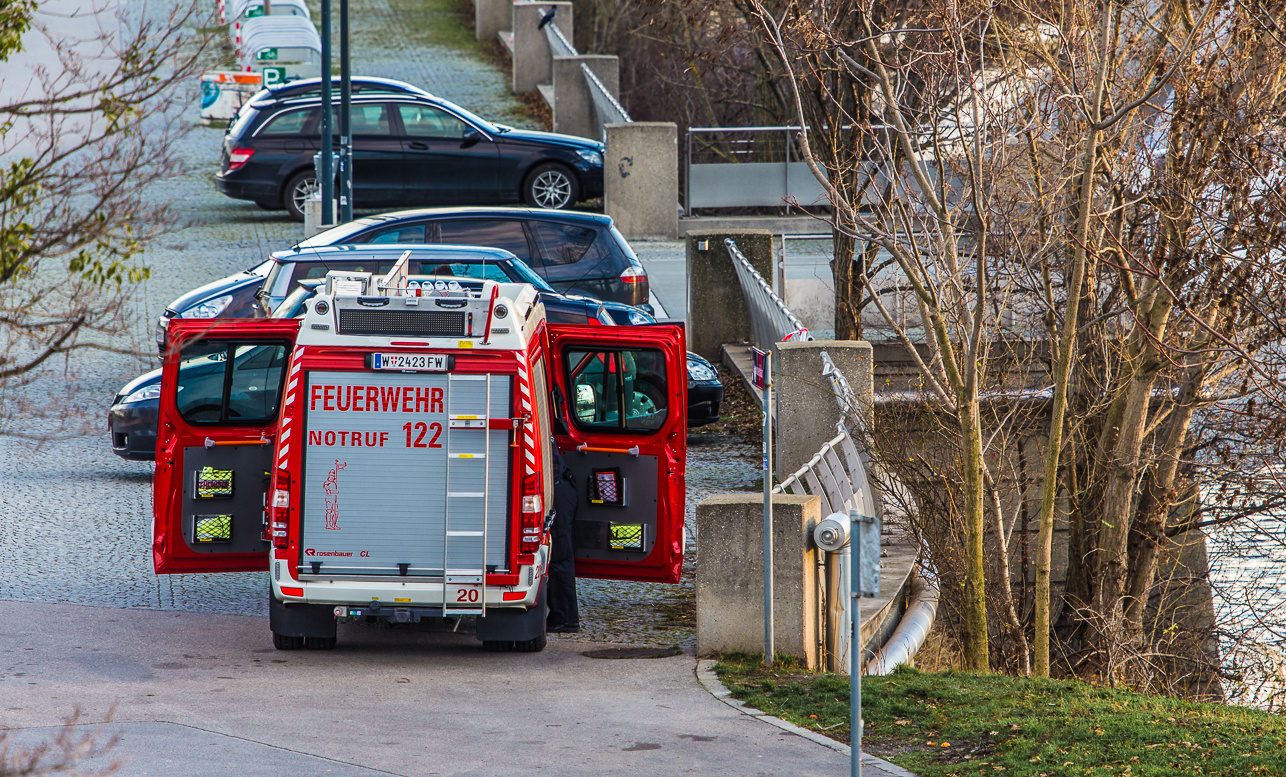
(490,17)
(716,306)
(806,408)
(532,62)
(574,112)
(730,577)
(641,179)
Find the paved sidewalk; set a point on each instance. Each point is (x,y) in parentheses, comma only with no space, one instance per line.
(201,694)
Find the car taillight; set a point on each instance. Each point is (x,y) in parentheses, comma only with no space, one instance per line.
(239,157)
(533,515)
(634,275)
(279,510)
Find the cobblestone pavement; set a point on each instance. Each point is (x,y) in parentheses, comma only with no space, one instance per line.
(75,521)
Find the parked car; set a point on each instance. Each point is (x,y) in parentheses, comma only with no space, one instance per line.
(236,296)
(577,253)
(411,149)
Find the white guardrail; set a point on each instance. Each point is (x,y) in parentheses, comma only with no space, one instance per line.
(606,107)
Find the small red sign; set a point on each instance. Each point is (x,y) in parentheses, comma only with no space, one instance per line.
(759,370)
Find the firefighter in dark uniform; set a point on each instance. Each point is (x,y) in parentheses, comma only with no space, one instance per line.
(564,617)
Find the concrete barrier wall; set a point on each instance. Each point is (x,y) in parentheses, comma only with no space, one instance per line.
(573,107)
(730,575)
(641,178)
(716,307)
(532,62)
(490,17)
(806,408)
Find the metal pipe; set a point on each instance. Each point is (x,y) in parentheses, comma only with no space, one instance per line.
(911,630)
(769,647)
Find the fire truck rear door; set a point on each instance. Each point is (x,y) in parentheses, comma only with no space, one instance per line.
(221,393)
(621,398)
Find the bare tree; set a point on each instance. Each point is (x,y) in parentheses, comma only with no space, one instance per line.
(1103,179)
(85,128)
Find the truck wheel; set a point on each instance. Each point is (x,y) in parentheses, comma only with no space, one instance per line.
(283,642)
(319,643)
(497,645)
(534,645)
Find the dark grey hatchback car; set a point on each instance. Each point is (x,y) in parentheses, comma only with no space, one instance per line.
(576,252)
(408,149)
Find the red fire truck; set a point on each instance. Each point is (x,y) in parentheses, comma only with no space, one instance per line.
(389,456)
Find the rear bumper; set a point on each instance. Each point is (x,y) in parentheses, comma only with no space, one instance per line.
(247,190)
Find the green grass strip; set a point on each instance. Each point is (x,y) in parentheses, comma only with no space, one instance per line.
(964,723)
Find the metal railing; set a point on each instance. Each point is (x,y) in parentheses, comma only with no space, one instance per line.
(607,110)
(771,322)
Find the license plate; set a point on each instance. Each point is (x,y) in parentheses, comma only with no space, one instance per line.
(416,362)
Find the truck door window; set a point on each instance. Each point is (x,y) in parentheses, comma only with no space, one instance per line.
(230,383)
(617,390)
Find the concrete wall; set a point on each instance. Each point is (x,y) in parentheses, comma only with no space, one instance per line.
(574,112)
(806,408)
(730,575)
(490,17)
(716,307)
(641,177)
(532,62)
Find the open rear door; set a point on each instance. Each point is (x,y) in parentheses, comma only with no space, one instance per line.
(221,391)
(620,397)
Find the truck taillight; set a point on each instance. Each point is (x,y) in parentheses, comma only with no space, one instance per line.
(533,515)
(280,509)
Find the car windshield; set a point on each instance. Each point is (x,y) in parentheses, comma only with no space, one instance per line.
(244,118)
(336,235)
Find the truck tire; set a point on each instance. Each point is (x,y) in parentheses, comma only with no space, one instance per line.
(534,645)
(319,643)
(284,642)
(497,645)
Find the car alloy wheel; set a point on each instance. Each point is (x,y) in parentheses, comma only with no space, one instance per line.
(298,190)
(551,186)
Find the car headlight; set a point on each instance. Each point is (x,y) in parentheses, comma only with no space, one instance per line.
(212,308)
(152,391)
(699,371)
(638,319)
(594,158)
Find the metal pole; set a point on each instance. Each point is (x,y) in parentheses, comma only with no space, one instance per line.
(855,650)
(327,173)
(769,647)
(345,119)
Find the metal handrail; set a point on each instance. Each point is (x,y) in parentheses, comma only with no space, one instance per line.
(771,321)
(607,109)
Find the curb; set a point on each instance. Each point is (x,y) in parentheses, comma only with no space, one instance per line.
(710,681)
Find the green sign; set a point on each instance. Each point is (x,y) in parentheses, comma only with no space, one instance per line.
(266,55)
(255,13)
(272,76)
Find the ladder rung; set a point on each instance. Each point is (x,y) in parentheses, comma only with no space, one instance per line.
(466,494)
(464,534)
(467,455)
(462,610)
(452,574)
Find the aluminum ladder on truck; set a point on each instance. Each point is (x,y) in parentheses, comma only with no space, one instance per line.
(468,446)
